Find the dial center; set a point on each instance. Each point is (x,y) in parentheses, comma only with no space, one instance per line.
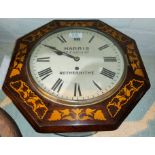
(77,66)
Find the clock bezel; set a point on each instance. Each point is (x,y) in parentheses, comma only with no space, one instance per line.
(74,103)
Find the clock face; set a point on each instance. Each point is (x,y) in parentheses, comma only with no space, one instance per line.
(77,66)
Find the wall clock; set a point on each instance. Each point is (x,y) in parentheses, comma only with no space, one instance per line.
(76,75)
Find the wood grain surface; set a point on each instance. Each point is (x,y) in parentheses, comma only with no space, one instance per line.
(8,127)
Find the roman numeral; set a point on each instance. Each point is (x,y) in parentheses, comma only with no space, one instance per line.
(43,59)
(103,47)
(97,85)
(45,73)
(110,59)
(91,39)
(62,39)
(58,84)
(108,73)
(77,90)
(76,39)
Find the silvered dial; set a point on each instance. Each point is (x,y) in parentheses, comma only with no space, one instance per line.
(77,66)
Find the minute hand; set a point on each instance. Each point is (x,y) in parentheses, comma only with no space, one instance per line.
(58,52)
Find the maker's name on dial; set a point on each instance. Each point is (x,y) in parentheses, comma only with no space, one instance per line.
(77,72)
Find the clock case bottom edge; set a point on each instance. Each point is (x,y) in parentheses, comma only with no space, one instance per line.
(109,126)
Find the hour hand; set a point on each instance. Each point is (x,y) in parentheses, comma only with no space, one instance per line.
(58,52)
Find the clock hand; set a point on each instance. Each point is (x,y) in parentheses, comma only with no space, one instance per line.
(58,52)
(54,49)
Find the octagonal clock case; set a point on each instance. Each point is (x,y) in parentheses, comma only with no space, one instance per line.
(76,76)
